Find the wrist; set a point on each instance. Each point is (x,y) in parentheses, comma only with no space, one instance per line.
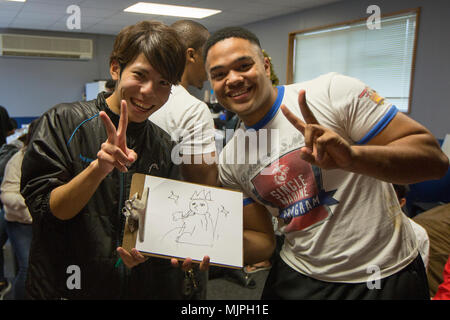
(96,171)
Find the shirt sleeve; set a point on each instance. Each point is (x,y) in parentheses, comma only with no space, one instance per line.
(198,130)
(363,112)
(47,162)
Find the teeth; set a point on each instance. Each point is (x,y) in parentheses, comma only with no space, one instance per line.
(141,106)
(238,93)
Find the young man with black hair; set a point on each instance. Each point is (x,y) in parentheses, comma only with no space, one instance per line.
(77,173)
(326,180)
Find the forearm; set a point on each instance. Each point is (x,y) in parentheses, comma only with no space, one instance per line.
(201,173)
(258,246)
(411,159)
(69,199)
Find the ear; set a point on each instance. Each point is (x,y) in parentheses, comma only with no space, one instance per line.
(402,202)
(114,70)
(267,66)
(190,55)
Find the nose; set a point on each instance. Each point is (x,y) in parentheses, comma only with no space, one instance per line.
(147,87)
(234,78)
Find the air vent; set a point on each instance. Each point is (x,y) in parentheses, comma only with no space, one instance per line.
(19,45)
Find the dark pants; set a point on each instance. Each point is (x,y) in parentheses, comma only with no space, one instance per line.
(285,283)
(20,237)
(3,239)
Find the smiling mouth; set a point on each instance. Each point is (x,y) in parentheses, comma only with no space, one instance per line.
(141,107)
(240,92)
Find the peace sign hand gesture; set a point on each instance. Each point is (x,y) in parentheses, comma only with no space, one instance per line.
(323,147)
(114,153)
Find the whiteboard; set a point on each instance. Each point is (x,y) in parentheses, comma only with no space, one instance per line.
(190,220)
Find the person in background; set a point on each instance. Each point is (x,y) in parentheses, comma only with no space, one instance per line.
(327,180)
(186,118)
(7,125)
(17,216)
(190,124)
(6,152)
(443,292)
(87,154)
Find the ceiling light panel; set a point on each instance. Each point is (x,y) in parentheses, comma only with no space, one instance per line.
(171,10)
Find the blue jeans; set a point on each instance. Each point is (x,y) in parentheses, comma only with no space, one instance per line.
(20,237)
(3,239)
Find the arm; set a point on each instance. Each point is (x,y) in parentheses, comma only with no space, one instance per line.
(393,155)
(396,153)
(66,201)
(259,238)
(203,173)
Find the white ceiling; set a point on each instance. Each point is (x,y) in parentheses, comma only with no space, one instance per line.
(107,16)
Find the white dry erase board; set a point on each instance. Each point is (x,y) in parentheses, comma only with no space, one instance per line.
(190,220)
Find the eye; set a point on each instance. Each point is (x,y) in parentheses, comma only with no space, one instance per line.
(165,83)
(245,66)
(217,75)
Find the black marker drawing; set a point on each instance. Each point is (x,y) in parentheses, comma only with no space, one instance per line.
(198,226)
(174,197)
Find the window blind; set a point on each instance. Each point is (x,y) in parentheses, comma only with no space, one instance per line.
(382,58)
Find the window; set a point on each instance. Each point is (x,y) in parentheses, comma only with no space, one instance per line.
(383,58)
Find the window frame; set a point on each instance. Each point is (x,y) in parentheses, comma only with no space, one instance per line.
(292,35)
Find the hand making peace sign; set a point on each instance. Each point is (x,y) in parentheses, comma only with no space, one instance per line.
(323,147)
(114,153)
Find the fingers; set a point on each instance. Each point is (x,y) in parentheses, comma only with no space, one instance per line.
(123,122)
(307,114)
(204,265)
(188,264)
(131,259)
(114,156)
(296,122)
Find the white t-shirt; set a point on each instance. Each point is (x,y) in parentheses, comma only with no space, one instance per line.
(339,226)
(188,121)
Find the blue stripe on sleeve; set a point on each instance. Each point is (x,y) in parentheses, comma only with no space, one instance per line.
(379,126)
(248,201)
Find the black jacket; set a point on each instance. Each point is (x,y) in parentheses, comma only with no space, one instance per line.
(66,140)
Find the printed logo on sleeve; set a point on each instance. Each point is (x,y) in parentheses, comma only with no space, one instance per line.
(295,187)
(372,95)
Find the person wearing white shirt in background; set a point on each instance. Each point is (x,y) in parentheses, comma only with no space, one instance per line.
(189,122)
(187,119)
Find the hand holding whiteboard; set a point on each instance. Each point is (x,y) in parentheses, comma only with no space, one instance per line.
(190,220)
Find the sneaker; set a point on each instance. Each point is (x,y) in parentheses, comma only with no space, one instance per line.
(5,287)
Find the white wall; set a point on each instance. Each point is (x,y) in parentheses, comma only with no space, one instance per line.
(30,86)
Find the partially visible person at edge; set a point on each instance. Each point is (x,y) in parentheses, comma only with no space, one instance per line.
(328,180)
(77,172)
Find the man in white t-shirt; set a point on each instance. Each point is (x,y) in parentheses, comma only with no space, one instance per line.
(323,170)
(187,119)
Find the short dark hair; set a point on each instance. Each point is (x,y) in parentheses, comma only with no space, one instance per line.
(192,33)
(401,190)
(110,84)
(160,44)
(230,32)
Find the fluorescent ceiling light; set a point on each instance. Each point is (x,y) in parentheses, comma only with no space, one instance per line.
(17,0)
(169,10)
